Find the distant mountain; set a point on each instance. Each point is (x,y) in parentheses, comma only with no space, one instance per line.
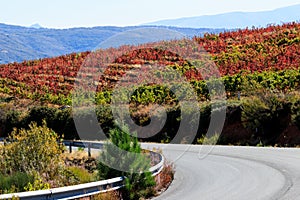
(26,43)
(37,26)
(236,19)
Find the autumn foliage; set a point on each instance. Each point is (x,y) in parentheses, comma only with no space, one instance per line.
(273,48)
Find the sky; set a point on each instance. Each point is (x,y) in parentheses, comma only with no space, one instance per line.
(89,13)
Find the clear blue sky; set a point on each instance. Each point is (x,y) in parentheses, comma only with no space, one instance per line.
(88,13)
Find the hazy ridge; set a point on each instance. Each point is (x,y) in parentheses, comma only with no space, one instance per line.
(24,43)
(236,19)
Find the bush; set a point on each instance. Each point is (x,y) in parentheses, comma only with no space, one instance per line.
(267,114)
(80,175)
(32,151)
(8,120)
(38,184)
(295,109)
(40,113)
(59,120)
(15,182)
(64,124)
(297,120)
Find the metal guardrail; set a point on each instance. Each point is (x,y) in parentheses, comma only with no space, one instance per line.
(83,144)
(70,192)
(82,190)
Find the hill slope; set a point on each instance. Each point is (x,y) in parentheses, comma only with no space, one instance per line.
(274,48)
(259,68)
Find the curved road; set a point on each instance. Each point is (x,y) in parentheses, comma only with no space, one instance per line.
(226,172)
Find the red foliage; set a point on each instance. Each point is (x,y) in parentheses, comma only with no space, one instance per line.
(270,48)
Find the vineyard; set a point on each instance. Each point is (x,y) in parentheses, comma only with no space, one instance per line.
(246,61)
(275,48)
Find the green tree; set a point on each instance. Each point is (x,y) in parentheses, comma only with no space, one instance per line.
(125,152)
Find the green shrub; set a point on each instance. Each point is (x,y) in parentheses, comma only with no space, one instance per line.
(295,108)
(80,174)
(9,119)
(38,184)
(64,124)
(40,113)
(15,182)
(267,114)
(208,140)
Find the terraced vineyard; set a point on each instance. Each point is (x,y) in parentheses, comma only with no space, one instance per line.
(249,62)
(274,49)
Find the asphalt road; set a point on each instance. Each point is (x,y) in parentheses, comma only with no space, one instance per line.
(226,172)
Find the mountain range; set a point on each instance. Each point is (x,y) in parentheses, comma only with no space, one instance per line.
(19,43)
(235,20)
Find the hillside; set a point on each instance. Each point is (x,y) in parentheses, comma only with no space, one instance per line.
(266,49)
(22,43)
(236,19)
(259,69)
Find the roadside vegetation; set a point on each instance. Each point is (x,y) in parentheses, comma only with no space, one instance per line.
(268,117)
(31,160)
(34,159)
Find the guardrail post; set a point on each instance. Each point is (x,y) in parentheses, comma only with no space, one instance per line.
(89,150)
(70,147)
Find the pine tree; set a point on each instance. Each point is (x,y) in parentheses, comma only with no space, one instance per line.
(123,156)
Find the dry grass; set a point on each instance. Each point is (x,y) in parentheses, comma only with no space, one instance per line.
(165,178)
(112,195)
(81,159)
(77,155)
